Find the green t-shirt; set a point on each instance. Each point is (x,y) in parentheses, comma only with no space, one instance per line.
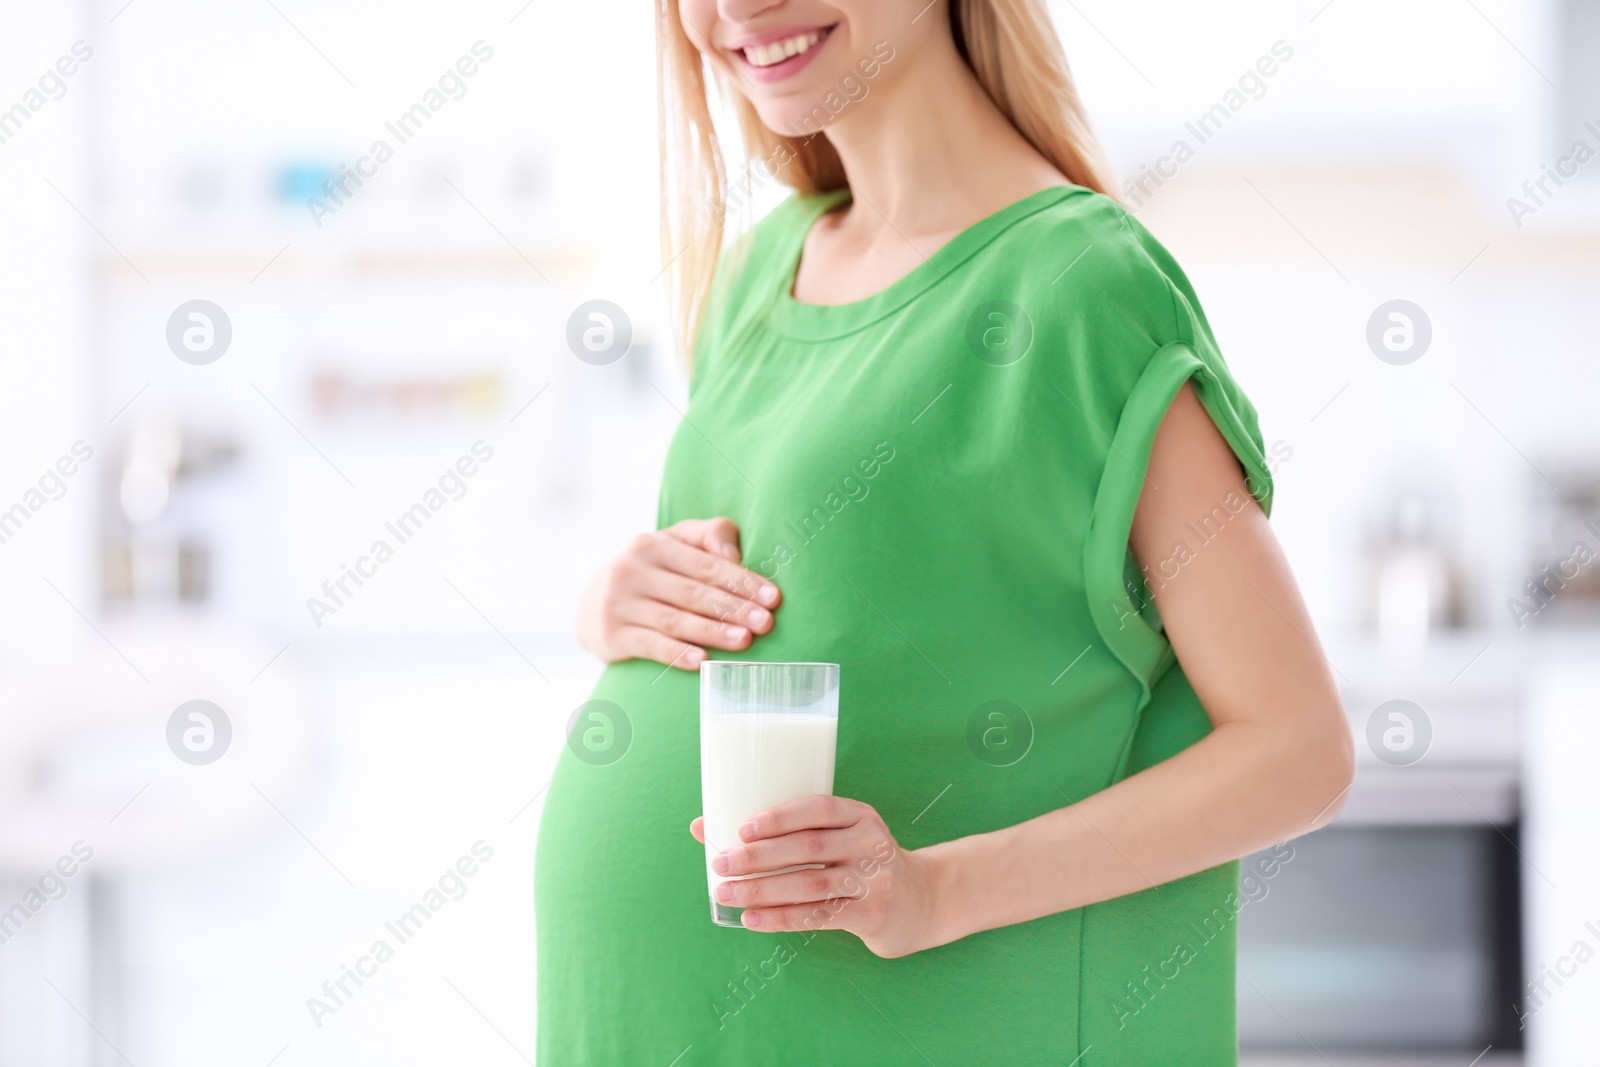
(941,478)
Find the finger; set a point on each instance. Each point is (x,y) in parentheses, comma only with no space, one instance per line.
(695,596)
(818,811)
(697,828)
(719,536)
(702,566)
(684,626)
(834,914)
(641,643)
(796,887)
(790,850)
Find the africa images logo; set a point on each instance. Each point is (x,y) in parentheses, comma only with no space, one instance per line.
(199,332)
(599,732)
(199,732)
(999,733)
(999,332)
(1399,732)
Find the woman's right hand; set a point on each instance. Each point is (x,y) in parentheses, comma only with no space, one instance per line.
(673,594)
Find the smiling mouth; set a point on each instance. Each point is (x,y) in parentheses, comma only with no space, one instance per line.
(763,56)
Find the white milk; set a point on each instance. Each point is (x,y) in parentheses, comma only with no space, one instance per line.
(751,761)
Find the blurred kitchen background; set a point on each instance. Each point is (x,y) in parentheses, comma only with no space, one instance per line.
(170,517)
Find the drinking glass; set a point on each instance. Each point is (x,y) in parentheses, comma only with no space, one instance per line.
(767,735)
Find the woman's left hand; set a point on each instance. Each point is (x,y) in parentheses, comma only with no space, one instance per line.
(867,884)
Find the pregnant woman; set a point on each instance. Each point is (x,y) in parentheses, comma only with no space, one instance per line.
(958,423)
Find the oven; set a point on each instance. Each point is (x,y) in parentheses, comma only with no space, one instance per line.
(1396,929)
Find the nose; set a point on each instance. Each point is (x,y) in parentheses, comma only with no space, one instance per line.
(737,11)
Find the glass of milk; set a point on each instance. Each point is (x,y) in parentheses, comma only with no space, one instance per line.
(767,735)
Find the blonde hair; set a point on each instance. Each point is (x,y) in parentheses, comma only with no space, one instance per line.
(1010,45)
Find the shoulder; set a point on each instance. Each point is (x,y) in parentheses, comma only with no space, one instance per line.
(1112,315)
(1101,292)
(774,238)
(754,259)
(1088,258)
(752,267)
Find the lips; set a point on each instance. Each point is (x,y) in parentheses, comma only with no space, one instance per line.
(775,52)
(781,53)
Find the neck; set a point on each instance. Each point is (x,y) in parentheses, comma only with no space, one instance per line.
(929,151)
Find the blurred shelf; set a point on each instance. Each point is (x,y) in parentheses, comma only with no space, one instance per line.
(1392,216)
(397,263)
(1471,666)
(1428,795)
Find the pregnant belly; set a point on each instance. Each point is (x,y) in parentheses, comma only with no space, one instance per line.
(618,808)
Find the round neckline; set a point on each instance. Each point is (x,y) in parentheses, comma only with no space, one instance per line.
(819,322)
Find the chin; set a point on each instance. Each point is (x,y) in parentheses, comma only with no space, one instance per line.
(790,118)
(812,105)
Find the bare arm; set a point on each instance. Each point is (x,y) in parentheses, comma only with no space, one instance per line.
(1277,763)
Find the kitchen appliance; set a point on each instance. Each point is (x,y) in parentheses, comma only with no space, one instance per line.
(1416,586)
(1384,938)
(1400,926)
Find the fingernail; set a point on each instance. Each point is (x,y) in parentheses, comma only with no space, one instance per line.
(693,657)
(729,551)
(736,633)
(752,919)
(720,864)
(748,830)
(760,616)
(725,891)
(767,594)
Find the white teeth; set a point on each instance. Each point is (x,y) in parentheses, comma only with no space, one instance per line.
(766,55)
